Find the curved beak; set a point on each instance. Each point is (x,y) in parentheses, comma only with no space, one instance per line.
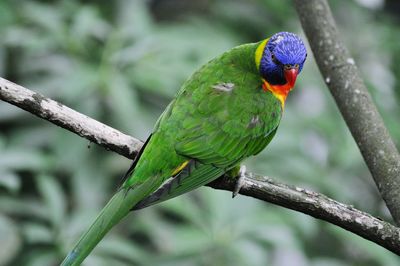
(291,75)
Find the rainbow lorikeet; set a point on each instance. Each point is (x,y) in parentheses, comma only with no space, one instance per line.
(226,111)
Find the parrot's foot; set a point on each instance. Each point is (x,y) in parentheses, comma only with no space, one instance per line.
(239,181)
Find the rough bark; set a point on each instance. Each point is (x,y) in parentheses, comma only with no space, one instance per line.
(353,99)
(69,119)
(256,186)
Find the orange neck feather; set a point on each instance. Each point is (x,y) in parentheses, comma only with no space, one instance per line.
(279,91)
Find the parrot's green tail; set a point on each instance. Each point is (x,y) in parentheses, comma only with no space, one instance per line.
(116,209)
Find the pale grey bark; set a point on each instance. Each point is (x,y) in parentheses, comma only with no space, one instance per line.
(69,119)
(256,186)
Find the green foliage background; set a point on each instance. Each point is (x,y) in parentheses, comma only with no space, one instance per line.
(121,62)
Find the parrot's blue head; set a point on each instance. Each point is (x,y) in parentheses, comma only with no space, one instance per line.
(281,58)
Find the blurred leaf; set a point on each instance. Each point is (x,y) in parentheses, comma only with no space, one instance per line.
(10,181)
(327,262)
(21,159)
(10,240)
(23,206)
(123,101)
(39,257)
(35,233)
(123,249)
(88,23)
(53,197)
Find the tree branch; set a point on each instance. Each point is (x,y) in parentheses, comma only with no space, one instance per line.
(263,188)
(353,99)
(69,119)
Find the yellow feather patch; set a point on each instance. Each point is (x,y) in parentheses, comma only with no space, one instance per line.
(179,168)
(280,96)
(259,52)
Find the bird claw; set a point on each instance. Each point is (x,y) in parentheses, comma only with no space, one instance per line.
(239,181)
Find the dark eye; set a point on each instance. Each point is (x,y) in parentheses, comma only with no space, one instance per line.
(296,65)
(273,57)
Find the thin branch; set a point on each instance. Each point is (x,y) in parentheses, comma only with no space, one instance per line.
(263,188)
(69,119)
(354,101)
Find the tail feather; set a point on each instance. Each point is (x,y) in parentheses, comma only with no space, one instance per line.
(116,209)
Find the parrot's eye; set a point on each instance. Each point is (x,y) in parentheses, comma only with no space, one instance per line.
(296,65)
(273,57)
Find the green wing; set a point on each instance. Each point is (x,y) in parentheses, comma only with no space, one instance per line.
(194,175)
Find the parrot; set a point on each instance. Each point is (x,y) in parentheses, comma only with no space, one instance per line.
(227,111)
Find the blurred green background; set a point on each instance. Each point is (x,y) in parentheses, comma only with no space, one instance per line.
(121,62)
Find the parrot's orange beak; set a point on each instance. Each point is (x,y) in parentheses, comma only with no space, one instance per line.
(290,76)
